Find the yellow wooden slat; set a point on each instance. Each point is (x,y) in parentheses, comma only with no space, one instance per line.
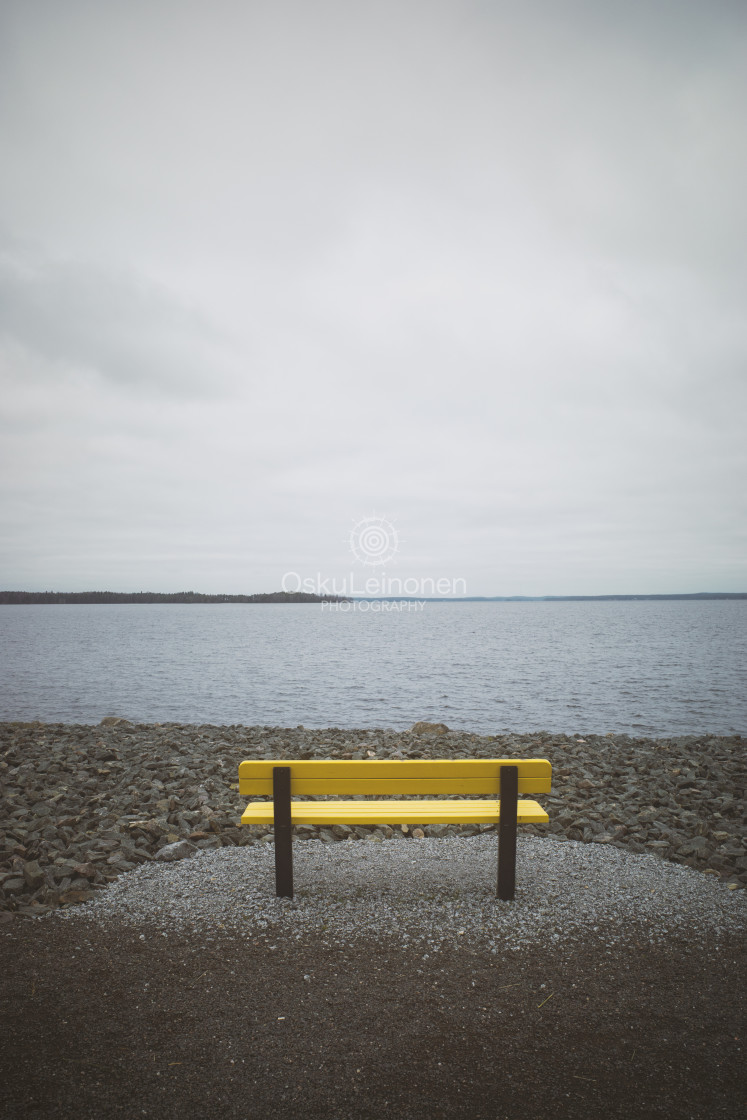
(393,812)
(405,768)
(317,777)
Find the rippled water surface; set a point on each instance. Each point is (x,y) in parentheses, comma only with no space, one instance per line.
(645,668)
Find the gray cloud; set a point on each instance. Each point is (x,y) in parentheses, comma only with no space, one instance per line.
(116,325)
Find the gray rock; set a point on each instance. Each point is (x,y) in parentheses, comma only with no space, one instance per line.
(698,845)
(179,850)
(85,871)
(437,829)
(341,831)
(33,875)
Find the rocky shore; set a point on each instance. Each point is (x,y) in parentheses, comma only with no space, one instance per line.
(81,804)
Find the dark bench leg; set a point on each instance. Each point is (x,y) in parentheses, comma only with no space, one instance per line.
(281,796)
(509,794)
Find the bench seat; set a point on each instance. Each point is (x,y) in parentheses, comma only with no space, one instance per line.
(393,812)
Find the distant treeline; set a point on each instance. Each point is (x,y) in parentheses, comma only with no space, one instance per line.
(12,597)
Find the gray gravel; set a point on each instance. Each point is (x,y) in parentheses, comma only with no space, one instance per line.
(429,893)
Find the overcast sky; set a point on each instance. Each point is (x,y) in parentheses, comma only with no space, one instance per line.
(476,267)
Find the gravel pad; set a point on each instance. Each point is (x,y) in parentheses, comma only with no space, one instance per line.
(429,893)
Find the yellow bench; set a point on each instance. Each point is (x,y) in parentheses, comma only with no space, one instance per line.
(497,781)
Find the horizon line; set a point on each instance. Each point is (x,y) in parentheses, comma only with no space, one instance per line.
(258,597)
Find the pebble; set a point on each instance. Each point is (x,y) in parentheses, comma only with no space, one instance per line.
(82,805)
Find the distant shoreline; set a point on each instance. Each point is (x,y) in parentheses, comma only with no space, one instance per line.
(698,596)
(21,598)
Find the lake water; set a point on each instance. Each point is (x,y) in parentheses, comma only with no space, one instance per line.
(644,668)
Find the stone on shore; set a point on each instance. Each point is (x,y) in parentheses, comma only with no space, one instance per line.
(180,850)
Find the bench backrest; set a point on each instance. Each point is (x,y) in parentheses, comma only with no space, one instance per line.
(394,777)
